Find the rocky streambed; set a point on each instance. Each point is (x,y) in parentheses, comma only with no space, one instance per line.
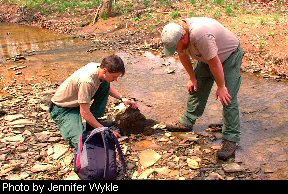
(32,147)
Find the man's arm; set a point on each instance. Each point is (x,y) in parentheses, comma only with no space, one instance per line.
(217,71)
(88,116)
(186,62)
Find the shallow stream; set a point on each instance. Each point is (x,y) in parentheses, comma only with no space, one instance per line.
(47,57)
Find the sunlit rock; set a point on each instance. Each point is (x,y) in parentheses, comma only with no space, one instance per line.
(21,122)
(59,150)
(192,163)
(145,174)
(232,167)
(148,158)
(44,107)
(16,138)
(214,176)
(42,167)
(72,176)
(42,136)
(11,118)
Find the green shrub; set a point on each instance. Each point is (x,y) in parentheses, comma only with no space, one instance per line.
(219,2)
(229,10)
(104,16)
(217,14)
(146,3)
(276,17)
(175,14)
(136,19)
(166,3)
(263,21)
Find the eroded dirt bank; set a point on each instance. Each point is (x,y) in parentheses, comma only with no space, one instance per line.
(263,35)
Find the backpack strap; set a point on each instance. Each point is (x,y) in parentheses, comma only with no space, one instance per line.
(96,130)
(119,150)
(106,153)
(101,131)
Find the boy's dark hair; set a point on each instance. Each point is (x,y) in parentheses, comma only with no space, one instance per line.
(114,64)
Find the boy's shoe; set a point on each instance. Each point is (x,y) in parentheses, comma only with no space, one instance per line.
(227,151)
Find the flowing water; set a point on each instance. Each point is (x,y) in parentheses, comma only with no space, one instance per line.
(161,96)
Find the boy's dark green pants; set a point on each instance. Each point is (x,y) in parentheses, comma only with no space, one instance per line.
(197,100)
(69,120)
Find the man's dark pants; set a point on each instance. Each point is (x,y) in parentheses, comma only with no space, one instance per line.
(197,100)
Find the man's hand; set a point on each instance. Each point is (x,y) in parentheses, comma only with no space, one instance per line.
(223,95)
(192,86)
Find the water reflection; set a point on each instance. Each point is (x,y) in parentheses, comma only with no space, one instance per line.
(15,40)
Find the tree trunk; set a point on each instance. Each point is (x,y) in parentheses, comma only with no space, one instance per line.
(106,6)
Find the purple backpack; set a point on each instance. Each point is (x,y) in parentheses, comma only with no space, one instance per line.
(95,158)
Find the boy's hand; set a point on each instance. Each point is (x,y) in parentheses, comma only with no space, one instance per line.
(116,134)
(128,102)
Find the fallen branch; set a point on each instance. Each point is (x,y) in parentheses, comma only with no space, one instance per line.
(97,14)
